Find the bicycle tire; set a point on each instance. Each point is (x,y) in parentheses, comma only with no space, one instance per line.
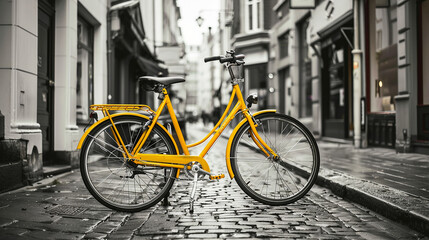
(108,176)
(294,173)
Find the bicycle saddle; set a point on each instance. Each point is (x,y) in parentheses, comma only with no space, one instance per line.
(162,80)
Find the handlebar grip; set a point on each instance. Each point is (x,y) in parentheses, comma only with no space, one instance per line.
(226,59)
(223,59)
(214,58)
(239,57)
(232,59)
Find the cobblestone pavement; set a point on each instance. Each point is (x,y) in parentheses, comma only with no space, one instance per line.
(64,209)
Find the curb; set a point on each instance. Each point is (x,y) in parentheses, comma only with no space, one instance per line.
(42,183)
(394,204)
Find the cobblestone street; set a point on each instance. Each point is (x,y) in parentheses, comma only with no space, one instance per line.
(64,209)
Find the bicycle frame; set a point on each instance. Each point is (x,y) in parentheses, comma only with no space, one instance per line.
(179,161)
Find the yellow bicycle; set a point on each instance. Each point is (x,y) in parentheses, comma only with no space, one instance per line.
(129,161)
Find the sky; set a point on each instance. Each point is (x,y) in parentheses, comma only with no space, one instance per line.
(190,10)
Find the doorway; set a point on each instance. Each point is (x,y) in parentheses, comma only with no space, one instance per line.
(337,89)
(284,91)
(45,77)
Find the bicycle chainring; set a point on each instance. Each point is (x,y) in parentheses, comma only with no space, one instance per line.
(188,170)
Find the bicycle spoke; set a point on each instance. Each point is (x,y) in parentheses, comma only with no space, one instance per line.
(122,186)
(146,150)
(267,138)
(274,183)
(257,182)
(284,182)
(110,145)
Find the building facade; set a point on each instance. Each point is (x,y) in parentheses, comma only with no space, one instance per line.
(59,57)
(251,27)
(54,62)
(305,66)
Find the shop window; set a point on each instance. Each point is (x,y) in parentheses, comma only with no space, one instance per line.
(85,84)
(385,66)
(253,13)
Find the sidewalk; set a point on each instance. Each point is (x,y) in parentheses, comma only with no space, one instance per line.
(394,185)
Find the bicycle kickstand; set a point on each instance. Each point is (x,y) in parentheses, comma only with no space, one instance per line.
(194,189)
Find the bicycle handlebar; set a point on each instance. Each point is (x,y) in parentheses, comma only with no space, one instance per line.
(214,58)
(224,59)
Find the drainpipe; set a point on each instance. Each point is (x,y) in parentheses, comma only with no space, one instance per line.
(154,27)
(109,58)
(357,79)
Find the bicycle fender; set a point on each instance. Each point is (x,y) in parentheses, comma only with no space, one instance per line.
(234,132)
(82,139)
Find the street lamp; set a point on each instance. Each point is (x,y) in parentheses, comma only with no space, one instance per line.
(200,21)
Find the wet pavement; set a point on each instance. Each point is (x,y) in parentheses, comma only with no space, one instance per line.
(393,184)
(61,208)
(406,172)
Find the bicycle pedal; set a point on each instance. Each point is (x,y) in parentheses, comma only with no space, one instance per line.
(217,177)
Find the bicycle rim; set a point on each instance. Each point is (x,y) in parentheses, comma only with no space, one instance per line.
(116,183)
(270,181)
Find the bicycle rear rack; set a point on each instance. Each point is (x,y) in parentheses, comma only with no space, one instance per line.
(121,107)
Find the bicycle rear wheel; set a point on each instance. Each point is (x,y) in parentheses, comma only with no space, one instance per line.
(116,182)
(270,181)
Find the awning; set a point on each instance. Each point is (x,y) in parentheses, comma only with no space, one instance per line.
(151,68)
(124,5)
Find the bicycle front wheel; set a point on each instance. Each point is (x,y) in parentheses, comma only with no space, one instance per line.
(113,180)
(275,181)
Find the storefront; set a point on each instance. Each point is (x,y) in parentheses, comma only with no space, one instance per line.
(129,58)
(382,82)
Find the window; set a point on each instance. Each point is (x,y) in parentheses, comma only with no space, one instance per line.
(284,45)
(84,83)
(384,77)
(256,78)
(253,13)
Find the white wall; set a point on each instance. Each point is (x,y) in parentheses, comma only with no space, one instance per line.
(148,12)
(65,129)
(18,70)
(99,9)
